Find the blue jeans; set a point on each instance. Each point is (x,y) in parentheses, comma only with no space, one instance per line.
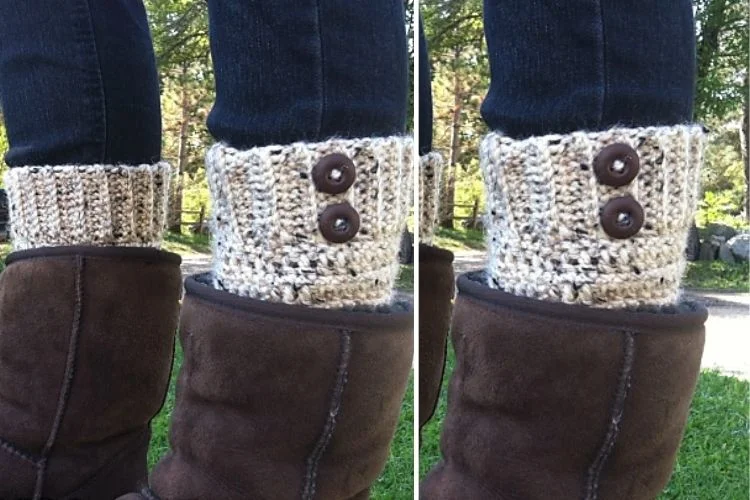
(78,80)
(560,66)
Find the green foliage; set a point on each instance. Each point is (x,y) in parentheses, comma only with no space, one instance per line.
(3,150)
(718,275)
(720,207)
(722,46)
(723,179)
(713,458)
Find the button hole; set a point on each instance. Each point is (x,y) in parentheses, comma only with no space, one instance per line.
(335,175)
(341,225)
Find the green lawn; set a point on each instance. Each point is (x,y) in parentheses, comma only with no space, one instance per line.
(186,243)
(713,459)
(457,240)
(717,275)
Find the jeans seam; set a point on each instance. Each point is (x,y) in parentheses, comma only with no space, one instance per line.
(90,36)
(321,72)
(602,59)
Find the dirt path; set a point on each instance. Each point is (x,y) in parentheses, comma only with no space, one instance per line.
(727,329)
(195,263)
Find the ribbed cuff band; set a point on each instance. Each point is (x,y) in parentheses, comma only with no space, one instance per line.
(549,210)
(96,205)
(430,172)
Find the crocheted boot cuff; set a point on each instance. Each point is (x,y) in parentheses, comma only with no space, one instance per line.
(430,172)
(96,205)
(596,218)
(315,224)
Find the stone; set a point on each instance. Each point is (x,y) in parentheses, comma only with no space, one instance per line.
(725,254)
(708,251)
(720,230)
(740,246)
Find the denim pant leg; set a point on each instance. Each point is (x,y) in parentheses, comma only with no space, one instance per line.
(559,66)
(307,70)
(78,83)
(425,95)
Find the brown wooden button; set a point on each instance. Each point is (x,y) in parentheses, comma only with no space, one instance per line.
(616,165)
(622,217)
(339,223)
(334,174)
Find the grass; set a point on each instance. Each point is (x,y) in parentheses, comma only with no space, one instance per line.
(460,239)
(717,275)
(178,243)
(4,251)
(186,243)
(713,459)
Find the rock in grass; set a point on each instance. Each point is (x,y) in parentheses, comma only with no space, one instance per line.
(740,247)
(725,254)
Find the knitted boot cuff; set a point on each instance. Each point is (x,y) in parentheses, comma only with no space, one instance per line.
(97,205)
(596,218)
(315,224)
(430,172)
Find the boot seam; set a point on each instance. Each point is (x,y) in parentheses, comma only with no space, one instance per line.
(593,476)
(316,455)
(70,369)
(10,448)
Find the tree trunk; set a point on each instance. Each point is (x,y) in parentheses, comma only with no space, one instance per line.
(448,191)
(745,134)
(175,209)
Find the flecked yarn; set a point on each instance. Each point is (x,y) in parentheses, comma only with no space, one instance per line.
(430,172)
(266,209)
(544,235)
(97,205)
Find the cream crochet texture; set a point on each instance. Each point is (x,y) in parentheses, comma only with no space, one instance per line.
(430,172)
(97,205)
(543,202)
(267,244)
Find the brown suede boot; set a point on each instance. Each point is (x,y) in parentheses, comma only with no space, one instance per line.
(436,288)
(278,401)
(86,338)
(553,401)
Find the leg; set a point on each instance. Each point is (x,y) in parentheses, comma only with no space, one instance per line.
(311,188)
(294,71)
(84,96)
(559,67)
(86,92)
(87,329)
(316,91)
(576,360)
(436,280)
